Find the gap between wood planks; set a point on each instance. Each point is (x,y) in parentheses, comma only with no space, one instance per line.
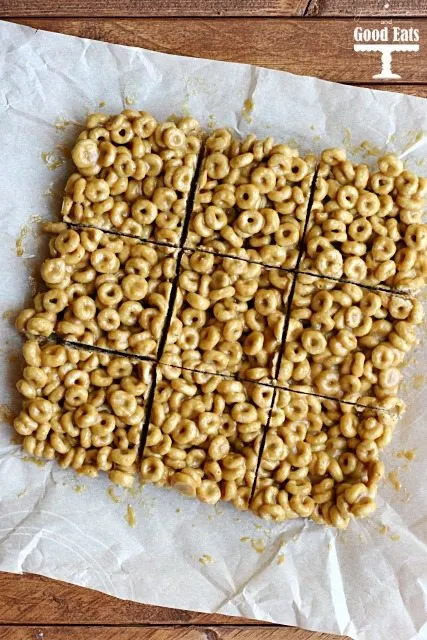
(320,47)
(90,632)
(215,8)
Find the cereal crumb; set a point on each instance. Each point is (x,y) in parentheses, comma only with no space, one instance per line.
(177,510)
(102,104)
(19,243)
(408,454)
(61,124)
(80,488)
(248,106)
(53,159)
(22,493)
(257,544)
(347,137)
(206,559)
(129,100)
(281,558)
(111,494)
(393,478)
(211,121)
(130,516)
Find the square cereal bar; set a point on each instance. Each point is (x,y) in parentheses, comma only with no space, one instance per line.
(103,290)
(87,409)
(251,200)
(228,316)
(348,342)
(204,435)
(320,460)
(366,227)
(133,175)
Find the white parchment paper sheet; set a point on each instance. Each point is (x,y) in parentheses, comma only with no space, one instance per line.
(369,582)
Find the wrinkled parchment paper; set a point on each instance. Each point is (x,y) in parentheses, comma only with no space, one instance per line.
(369,582)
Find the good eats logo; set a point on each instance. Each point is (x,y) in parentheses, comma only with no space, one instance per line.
(386,41)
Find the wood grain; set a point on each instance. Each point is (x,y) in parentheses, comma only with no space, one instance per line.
(159,633)
(319,47)
(146,8)
(31,599)
(36,608)
(358,8)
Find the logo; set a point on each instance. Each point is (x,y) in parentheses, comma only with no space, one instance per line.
(386,41)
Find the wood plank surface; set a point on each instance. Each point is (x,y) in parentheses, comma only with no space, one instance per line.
(319,47)
(272,33)
(357,8)
(145,8)
(159,633)
(30,599)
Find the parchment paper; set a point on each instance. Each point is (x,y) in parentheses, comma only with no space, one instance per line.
(369,582)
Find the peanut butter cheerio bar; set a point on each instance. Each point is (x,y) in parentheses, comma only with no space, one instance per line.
(103,290)
(251,199)
(228,317)
(86,409)
(133,175)
(366,227)
(225,317)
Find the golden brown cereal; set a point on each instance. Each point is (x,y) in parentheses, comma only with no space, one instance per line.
(69,410)
(251,200)
(367,227)
(133,175)
(116,296)
(229,316)
(308,469)
(204,435)
(347,342)
(334,404)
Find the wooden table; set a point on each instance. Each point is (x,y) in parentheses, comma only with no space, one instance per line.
(314,37)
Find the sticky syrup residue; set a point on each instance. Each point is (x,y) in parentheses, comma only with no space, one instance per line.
(413,138)
(211,121)
(248,106)
(19,242)
(130,516)
(111,494)
(281,558)
(55,158)
(206,559)
(24,231)
(6,415)
(9,314)
(51,193)
(37,461)
(370,149)
(394,480)
(13,356)
(61,124)
(66,152)
(257,544)
(418,381)
(80,488)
